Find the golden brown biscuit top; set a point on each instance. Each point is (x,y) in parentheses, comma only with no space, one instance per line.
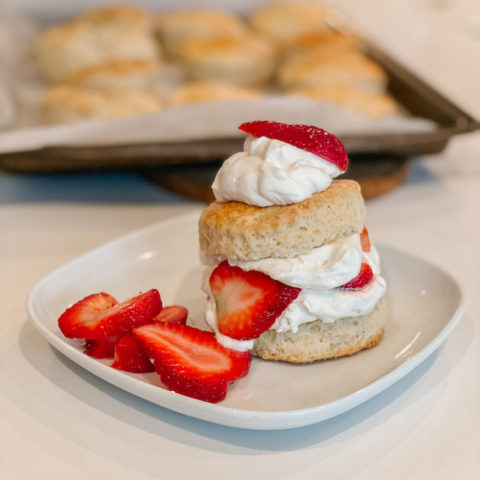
(325,68)
(228,48)
(198,92)
(285,20)
(238,230)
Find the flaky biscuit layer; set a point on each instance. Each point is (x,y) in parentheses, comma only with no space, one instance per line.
(321,341)
(246,232)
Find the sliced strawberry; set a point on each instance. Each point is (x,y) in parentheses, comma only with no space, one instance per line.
(306,137)
(362,279)
(174,314)
(191,361)
(102,348)
(81,319)
(365,240)
(130,356)
(248,303)
(100,315)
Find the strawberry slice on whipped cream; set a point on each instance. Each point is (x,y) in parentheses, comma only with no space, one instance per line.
(281,164)
(306,137)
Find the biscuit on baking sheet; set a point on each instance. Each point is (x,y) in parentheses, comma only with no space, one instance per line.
(176,27)
(284,21)
(247,232)
(327,42)
(118,74)
(374,105)
(352,69)
(65,104)
(321,341)
(101,36)
(123,16)
(243,60)
(199,92)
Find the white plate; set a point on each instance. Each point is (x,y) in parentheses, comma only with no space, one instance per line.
(425,305)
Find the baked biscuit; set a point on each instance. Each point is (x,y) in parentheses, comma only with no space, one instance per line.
(140,74)
(244,60)
(286,20)
(319,341)
(175,28)
(374,105)
(63,104)
(349,68)
(120,16)
(247,232)
(105,35)
(200,92)
(327,42)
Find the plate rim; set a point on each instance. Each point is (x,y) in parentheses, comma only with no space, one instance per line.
(218,413)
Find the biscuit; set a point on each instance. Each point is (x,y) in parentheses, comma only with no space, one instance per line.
(101,36)
(244,60)
(351,69)
(63,104)
(286,20)
(140,74)
(374,105)
(122,16)
(199,92)
(247,232)
(329,42)
(175,28)
(321,341)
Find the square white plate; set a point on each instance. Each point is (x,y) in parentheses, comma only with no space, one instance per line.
(425,304)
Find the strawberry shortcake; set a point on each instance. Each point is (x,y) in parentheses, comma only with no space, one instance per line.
(292,274)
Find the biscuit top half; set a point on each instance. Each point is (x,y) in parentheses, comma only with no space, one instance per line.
(247,232)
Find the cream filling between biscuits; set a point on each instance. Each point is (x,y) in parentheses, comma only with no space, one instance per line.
(318,274)
(323,268)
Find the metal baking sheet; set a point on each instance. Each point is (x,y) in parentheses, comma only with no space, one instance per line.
(410,91)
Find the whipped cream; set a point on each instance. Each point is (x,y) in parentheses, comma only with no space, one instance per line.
(271,172)
(317,273)
(330,305)
(325,267)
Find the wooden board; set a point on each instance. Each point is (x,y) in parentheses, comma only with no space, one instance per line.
(375,175)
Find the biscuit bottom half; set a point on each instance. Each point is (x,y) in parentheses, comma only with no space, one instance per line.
(321,341)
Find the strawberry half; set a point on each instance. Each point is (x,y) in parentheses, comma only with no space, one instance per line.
(306,137)
(365,240)
(130,356)
(248,303)
(100,315)
(102,348)
(174,314)
(362,279)
(191,361)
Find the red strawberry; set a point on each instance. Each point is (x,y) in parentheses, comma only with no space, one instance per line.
(191,361)
(306,137)
(365,240)
(362,279)
(100,315)
(80,318)
(130,356)
(173,314)
(248,303)
(102,348)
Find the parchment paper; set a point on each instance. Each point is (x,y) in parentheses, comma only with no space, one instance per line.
(21,90)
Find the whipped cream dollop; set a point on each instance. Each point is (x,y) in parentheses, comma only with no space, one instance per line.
(271,172)
(325,267)
(330,305)
(318,274)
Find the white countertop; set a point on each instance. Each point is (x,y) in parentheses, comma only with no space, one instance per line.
(58,421)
